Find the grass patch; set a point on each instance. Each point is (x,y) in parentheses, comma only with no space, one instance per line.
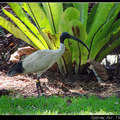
(57,105)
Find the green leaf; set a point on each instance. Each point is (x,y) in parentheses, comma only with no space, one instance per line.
(14,30)
(115,9)
(53,41)
(83,8)
(100,17)
(54,12)
(103,32)
(40,19)
(67,56)
(91,17)
(25,30)
(40,16)
(17,8)
(68,15)
(115,25)
(99,38)
(70,22)
(79,52)
(115,39)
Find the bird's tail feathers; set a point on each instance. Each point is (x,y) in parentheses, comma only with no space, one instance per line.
(15,69)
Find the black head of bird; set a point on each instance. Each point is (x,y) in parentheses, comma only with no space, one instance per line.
(66,35)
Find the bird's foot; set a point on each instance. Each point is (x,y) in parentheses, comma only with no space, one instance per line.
(39,88)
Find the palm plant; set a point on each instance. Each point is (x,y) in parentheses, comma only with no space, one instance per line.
(47,21)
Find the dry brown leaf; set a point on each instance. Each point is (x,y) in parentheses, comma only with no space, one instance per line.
(7,8)
(15,57)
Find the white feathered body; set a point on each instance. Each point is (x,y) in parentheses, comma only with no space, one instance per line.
(42,60)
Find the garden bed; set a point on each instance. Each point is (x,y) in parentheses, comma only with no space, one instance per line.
(52,82)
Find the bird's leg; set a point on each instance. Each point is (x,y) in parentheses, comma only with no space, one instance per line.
(38,85)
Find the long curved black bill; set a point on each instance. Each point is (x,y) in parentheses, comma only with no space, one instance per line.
(65,35)
(80,42)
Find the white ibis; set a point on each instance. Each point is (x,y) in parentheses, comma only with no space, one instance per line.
(41,60)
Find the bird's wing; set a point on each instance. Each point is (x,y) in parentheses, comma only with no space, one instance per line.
(41,60)
(38,62)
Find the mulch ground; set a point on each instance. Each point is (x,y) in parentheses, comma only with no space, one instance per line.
(52,82)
